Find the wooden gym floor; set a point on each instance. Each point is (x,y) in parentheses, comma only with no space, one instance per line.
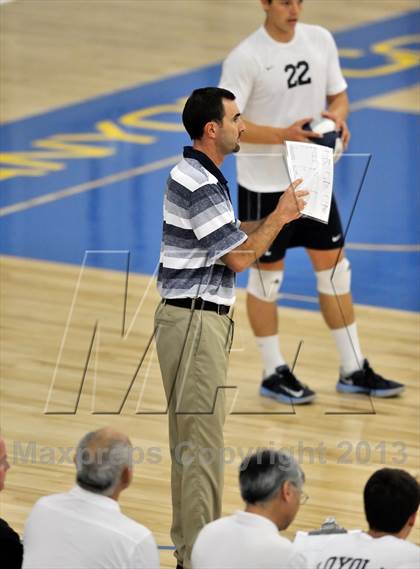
(56,54)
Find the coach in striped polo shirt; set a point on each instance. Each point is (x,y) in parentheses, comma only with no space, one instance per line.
(203,246)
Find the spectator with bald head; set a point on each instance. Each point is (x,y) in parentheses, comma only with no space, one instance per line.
(84,528)
(10,545)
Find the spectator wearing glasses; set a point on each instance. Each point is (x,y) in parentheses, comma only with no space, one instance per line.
(271,485)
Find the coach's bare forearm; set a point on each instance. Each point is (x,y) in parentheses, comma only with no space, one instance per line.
(256,245)
(288,208)
(249,227)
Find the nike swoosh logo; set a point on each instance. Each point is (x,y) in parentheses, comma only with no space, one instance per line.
(336,238)
(291,392)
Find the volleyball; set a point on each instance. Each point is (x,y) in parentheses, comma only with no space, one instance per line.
(330,136)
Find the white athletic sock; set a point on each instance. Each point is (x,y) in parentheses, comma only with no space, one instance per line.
(269,347)
(347,341)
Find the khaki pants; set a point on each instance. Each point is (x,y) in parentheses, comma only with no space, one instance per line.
(193,349)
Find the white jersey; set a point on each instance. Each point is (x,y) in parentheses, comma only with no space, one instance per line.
(276,84)
(243,541)
(357,550)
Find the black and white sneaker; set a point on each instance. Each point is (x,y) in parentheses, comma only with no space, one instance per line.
(284,386)
(367,381)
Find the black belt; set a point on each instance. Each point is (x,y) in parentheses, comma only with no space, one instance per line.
(197,304)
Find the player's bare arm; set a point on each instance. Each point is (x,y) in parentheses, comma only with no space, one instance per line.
(263,134)
(338,110)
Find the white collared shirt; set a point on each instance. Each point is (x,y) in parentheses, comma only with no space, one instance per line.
(357,549)
(243,541)
(83,530)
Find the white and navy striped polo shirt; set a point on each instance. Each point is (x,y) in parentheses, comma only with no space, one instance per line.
(199,227)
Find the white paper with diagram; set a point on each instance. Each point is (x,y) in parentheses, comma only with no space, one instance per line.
(315,165)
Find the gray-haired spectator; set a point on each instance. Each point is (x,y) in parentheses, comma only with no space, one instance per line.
(10,546)
(271,484)
(84,528)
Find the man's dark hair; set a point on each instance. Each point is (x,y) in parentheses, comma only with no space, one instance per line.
(262,474)
(391,496)
(204,105)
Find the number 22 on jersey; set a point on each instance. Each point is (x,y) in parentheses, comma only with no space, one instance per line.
(297,74)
